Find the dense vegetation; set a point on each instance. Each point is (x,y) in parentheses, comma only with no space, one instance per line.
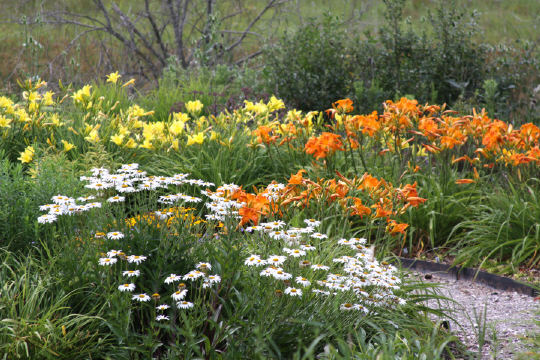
(198,215)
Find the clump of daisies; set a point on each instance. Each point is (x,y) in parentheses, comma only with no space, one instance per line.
(366,282)
(112,188)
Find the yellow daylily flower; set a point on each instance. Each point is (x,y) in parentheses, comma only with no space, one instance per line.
(113,77)
(4,122)
(197,139)
(27,155)
(194,107)
(67,146)
(118,139)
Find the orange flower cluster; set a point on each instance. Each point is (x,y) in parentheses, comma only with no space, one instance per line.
(324,144)
(437,129)
(366,196)
(265,135)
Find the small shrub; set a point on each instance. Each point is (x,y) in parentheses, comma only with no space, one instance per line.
(310,69)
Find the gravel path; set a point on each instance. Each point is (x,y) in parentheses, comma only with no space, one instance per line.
(509,316)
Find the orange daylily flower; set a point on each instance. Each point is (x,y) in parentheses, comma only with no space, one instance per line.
(296,179)
(464,181)
(394,228)
(344,105)
(324,144)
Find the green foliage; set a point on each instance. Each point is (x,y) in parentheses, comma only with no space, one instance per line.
(310,69)
(21,196)
(37,322)
(505,226)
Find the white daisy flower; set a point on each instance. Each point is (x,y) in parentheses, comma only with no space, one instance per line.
(276,260)
(308,247)
(276,234)
(137,259)
(93,205)
(312,223)
(321,292)
(184,305)
(113,253)
(107,261)
(319,236)
(204,265)
(214,279)
(293,291)
(275,187)
(86,198)
(47,219)
(281,275)
(252,260)
(172,278)
(360,241)
(302,281)
(125,188)
(163,214)
(126,287)
(162,307)
(116,198)
(319,267)
(161,318)
(348,306)
(294,252)
(141,297)
(115,235)
(179,295)
(273,225)
(193,275)
(99,185)
(269,271)
(345,242)
(131,273)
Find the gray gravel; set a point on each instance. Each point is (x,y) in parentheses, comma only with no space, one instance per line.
(509,316)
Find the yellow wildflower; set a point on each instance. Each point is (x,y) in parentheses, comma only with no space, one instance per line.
(194,107)
(67,146)
(177,127)
(27,155)
(182,117)
(136,110)
(130,82)
(93,137)
(4,122)
(275,104)
(130,144)
(47,99)
(147,144)
(113,77)
(23,115)
(82,94)
(197,139)
(118,139)
(7,105)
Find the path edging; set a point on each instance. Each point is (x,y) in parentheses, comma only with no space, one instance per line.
(469,274)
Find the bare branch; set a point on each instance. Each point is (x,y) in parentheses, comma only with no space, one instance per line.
(157,32)
(269,5)
(132,29)
(248,57)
